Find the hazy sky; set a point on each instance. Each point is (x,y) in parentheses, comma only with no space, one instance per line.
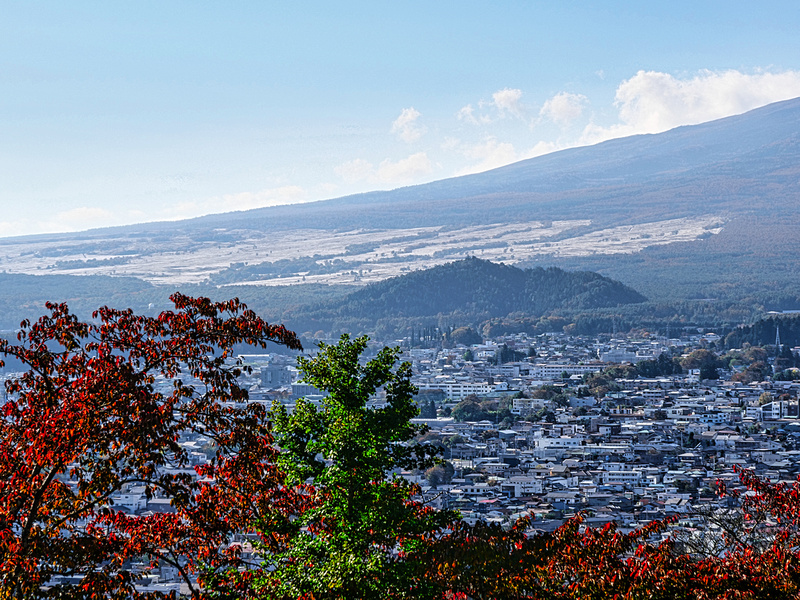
(122,112)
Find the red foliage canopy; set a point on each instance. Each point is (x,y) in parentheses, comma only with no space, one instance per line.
(577,562)
(103,407)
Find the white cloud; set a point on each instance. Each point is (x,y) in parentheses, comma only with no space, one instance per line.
(539,149)
(355,170)
(406,169)
(467,113)
(74,219)
(652,102)
(564,108)
(184,210)
(507,101)
(486,155)
(288,194)
(492,153)
(406,127)
(84,217)
(9,228)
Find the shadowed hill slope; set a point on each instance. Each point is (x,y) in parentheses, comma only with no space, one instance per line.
(478,288)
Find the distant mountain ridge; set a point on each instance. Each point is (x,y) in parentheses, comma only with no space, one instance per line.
(754,148)
(757,149)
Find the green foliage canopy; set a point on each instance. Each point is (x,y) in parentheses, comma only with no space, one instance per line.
(363,527)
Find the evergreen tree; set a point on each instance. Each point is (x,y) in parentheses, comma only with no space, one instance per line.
(428,410)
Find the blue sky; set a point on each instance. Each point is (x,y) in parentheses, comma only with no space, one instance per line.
(115,113)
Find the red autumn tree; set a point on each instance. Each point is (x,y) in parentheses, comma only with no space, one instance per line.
(576,562)
(103,406)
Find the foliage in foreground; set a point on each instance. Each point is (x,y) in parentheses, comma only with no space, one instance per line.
(587,563)
(360,534)
(88,420)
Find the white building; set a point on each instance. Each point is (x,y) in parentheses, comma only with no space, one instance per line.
(549,371)
(458,390)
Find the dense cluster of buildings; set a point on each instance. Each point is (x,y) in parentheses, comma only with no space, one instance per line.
(647,448)
(651,448)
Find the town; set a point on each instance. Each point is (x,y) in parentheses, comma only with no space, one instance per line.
(625,428)
(571,427)
(586,433)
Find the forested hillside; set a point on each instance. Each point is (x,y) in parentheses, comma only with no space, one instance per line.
(23,296)
(493,297)
(762,332)
(471,290)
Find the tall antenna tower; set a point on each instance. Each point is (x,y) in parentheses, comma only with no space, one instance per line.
(777,348)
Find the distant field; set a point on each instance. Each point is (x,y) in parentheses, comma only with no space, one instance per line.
(331,257)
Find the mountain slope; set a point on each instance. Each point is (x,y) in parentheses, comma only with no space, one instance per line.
(725,162)
(722,164)
(708,211)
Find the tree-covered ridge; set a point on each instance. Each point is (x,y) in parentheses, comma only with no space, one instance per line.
(763,331)
(478,287)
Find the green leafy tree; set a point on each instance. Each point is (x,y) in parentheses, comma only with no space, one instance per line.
(551,392)
(788,375)
(599,384)
(451,441)
(358,537)
(470,409)
(473,408)
(663,365)
(704,360)
(507,354)
(708,372)
(440,474)
(466,336)
(786,359)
